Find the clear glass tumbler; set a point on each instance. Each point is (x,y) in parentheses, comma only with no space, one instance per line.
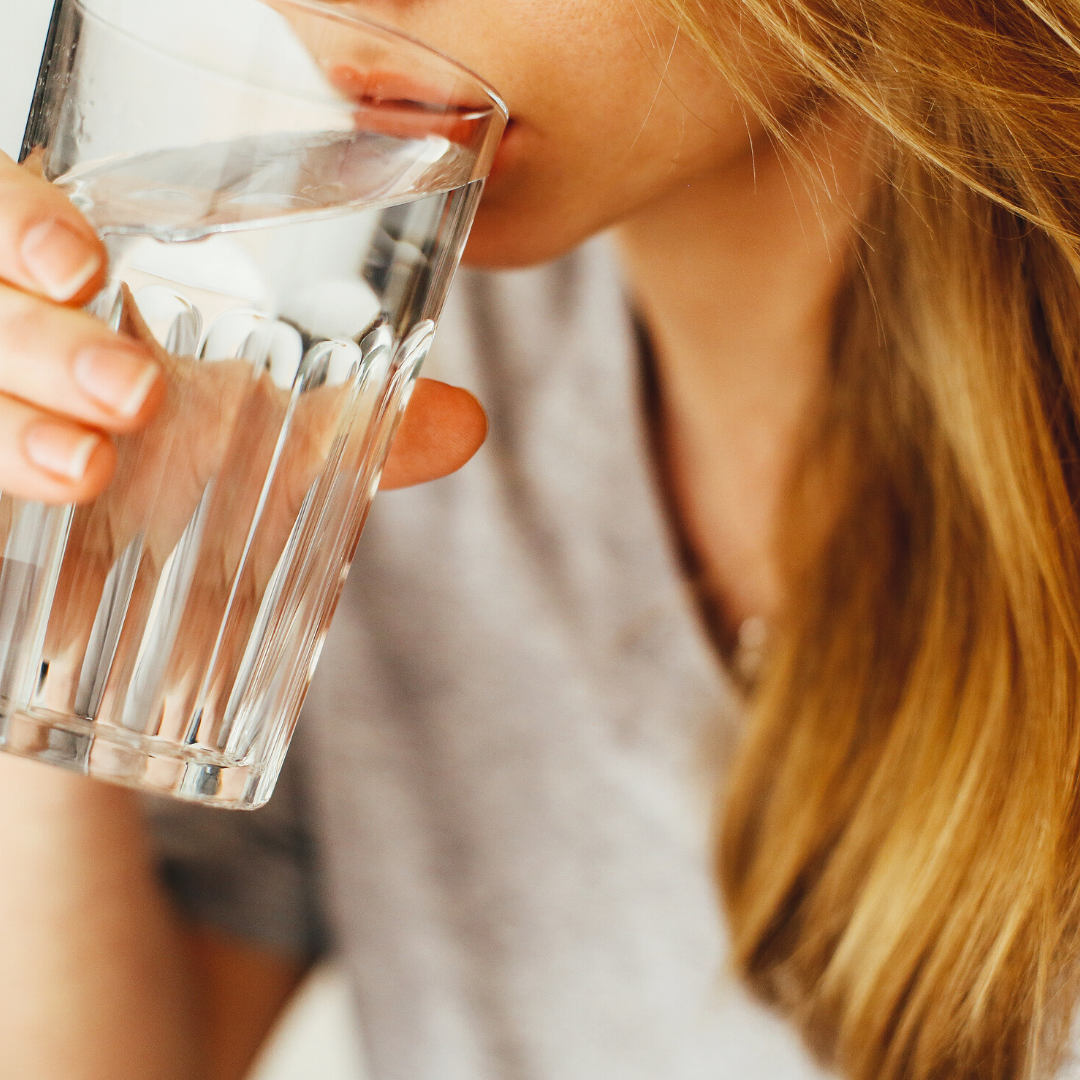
(284,190)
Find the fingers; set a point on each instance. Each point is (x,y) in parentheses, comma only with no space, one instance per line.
(47,458)
(63,374)
(442,428)
(46,245)
(71,363)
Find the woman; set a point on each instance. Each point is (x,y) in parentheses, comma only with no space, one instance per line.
(848,243)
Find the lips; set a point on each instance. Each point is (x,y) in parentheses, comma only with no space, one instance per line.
(393,103)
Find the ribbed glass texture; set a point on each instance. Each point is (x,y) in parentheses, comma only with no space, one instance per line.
(284,193)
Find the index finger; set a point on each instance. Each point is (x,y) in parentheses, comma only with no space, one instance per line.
(46,245)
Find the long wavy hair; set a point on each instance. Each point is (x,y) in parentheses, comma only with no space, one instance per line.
(900,840)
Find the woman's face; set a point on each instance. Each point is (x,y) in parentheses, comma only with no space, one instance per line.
(610,110)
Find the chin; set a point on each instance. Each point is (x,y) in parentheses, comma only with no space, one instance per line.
(501,253)
(525,217)
(505,239)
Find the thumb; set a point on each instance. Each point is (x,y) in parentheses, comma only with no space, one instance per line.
(442,428)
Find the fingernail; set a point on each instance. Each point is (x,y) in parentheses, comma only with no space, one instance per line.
(119,379)
(61,260)
(60,449)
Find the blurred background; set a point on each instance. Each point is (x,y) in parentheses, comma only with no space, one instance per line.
(315,1037)
(25,23)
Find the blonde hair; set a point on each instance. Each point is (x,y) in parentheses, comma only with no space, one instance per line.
(900,845)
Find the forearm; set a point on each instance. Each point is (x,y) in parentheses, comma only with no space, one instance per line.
(94,979)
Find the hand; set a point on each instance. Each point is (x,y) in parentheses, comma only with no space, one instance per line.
(68,384)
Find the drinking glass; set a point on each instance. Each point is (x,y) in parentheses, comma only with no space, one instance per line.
(284,190)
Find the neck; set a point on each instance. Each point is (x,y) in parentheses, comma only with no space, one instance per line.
(735,276)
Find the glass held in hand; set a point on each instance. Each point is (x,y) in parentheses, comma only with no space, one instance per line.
(284,191)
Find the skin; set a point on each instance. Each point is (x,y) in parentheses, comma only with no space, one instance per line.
(731,258)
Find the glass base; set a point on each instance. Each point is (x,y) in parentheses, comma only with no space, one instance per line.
(155,766)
